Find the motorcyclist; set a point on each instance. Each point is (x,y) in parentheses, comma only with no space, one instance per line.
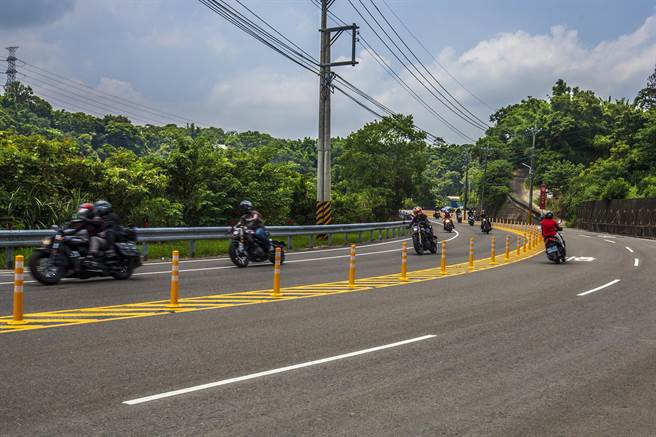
(420,219)
(108,230)
(549,226)
(483,218)
(86,220)
(252,220)
(459,215)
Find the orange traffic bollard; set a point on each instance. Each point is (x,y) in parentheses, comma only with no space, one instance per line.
(17,318)
(404,261)
(507,247)
(493,254)
(352,267)
(276,273)
(519,247)
(175,280)
(443,260)
(525,248)
(471,253)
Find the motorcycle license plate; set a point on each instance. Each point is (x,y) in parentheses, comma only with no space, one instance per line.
(552,249)
(55,245)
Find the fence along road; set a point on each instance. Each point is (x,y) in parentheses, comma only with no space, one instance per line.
(515,352)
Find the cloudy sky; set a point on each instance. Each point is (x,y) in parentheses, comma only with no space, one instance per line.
(180,57)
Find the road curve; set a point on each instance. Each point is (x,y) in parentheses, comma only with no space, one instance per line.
(517,350)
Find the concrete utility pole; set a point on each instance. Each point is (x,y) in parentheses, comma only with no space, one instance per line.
(485,150)
(467,154)
(531,173)
(324,183)
(11,66)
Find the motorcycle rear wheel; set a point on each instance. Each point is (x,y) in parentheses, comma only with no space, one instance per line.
(55,272)
(272,256)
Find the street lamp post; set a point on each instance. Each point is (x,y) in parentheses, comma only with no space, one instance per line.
(531,172)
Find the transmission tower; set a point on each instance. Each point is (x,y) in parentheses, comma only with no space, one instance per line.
(11,66)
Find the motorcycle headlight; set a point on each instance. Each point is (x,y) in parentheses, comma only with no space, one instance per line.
(415,229)
(46,241)
(235,233)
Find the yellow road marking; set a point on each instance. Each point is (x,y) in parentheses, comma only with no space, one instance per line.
(80,316)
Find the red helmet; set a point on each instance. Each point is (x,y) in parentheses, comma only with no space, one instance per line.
(86,210)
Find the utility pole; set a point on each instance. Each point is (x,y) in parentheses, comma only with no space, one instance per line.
(324,183)
(485,151)
(11,66)
(531,173)
(466,180)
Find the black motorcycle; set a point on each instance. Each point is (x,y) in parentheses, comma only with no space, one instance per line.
(423,239)
(244,248)
(556,248)
(470,219)
(486,226)
(448,225)
(65,255)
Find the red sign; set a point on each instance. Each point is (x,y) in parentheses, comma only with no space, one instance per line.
(543,196)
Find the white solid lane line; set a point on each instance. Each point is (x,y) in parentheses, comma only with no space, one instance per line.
(628,248)
(610,241)
(586,236)
(613,282)
(636,262)
(273,371)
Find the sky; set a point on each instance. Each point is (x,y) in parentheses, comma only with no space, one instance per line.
(180,57)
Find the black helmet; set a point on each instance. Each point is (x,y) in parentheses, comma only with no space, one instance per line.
(103,207)
(549,214)
(245,206)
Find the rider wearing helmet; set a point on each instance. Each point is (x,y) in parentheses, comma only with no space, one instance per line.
(421,219)
(549,226)
(252,219)
(107,233)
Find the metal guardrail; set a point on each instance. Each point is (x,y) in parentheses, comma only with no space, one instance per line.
(31,238)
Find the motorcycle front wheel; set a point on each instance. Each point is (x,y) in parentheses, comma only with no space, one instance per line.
(124,271)
(417,245)
(45,269)
(239,259)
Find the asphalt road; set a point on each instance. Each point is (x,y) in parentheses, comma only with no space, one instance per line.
(526,349)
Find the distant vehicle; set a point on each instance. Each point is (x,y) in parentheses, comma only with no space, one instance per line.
(448,225)
(486,226)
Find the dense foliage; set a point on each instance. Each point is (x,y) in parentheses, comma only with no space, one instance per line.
(52,160)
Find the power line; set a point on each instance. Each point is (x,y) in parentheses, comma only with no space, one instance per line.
(434,91)
(434,58)
(291,52)
(424,66)
(389,70)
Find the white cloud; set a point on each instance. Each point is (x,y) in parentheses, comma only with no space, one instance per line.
(119,88)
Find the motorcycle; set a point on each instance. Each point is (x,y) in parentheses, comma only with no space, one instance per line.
(244,248)
(65,255)
(556,248)
(486,226)
(459,216)
(422,240)
(448,225)
(470,220)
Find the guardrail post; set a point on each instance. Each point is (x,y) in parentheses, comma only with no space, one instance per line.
(371,235)
(9,256)
(471,254)
(192,248)
(346,238)
(311,241)
(404,261)
(443,259)
(17,318)
(276,273)
(493,251)
(144,251)
(330,239)
(380,234)
(289,242)
(351,275)
(507,247)
(360,237)
(175,280)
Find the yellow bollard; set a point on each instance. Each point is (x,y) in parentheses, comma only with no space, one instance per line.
(276,273)
(471,253)
(493,255)
(17,318)
(525,248)
(175,280)
(443,260)
(404,261)
(507,247)
(518,246)
(352,267)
